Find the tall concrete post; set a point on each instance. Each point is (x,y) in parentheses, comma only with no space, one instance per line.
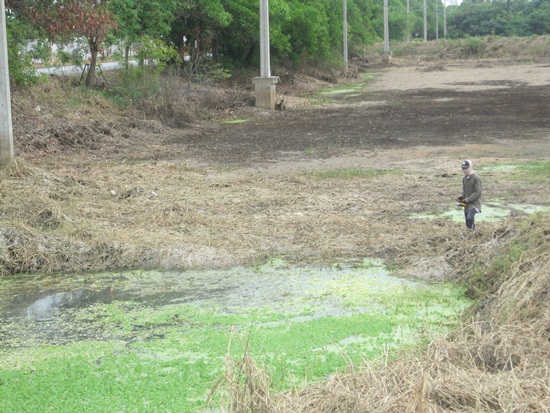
(444,19)
(6,129)
(265,84)
(408,24)
(425,21)
(386,55)
(436,19)
(345,27)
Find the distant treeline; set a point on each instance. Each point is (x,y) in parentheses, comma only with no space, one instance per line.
(302,32)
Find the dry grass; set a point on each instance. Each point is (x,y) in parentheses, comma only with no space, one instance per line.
(504,49)
(497,361)
(244,383)
(177,216)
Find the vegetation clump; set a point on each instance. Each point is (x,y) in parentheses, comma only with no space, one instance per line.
(497,361)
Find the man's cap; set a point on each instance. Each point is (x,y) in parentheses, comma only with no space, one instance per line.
(465,164)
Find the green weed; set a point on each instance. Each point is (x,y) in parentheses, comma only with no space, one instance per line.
(236,121)
(353,173)
(536,169)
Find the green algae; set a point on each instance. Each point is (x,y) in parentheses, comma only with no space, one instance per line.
(156,341)
(236,121)
(350,89)
(340,90)
(493,212)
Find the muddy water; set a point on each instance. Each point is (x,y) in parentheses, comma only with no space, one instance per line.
(45,309)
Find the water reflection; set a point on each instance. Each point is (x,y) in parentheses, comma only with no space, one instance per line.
(44,308)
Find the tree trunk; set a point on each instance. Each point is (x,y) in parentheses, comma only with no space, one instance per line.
(127,55)
(90,79)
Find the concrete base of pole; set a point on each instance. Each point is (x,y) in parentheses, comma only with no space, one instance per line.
(386,58)
(6,146)
(265,91)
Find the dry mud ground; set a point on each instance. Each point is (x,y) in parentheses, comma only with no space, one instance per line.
(89,192)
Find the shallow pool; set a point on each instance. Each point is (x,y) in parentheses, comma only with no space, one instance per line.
(156,340)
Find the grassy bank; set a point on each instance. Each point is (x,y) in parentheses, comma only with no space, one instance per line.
(511,49)
(497,361)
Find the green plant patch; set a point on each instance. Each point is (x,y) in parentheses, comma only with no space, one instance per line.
(366,76)
(157,341)
(341,90)
(535,170)
(348,89)
(236,121)
(493,212)
(353,173)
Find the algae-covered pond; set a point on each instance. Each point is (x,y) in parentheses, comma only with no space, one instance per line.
(156,341)
(490,212)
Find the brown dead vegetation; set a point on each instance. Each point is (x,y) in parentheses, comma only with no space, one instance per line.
(497,360)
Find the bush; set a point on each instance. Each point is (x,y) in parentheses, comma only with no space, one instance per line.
(472,46)
(21,69)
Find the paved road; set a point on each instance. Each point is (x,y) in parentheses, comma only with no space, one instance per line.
(75,70)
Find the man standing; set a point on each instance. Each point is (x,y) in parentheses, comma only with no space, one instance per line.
(471,193)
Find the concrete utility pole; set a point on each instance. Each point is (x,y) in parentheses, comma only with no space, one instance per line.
(425,21)
(345,5)
(444,20)
(408,26)
(6,129)
(436,19)
(265,84)
(386,56)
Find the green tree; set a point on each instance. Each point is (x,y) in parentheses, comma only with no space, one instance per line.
(139,19)
(538,20)
(306,29)
(196,30)
(477,19)
(237,42)
(19,33)
(500,17)
(361,30)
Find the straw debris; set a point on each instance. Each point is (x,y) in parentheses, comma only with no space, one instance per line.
(496,361)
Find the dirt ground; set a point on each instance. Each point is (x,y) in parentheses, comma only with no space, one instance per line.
(89,194)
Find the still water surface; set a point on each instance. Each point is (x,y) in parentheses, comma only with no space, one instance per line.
(43,309)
